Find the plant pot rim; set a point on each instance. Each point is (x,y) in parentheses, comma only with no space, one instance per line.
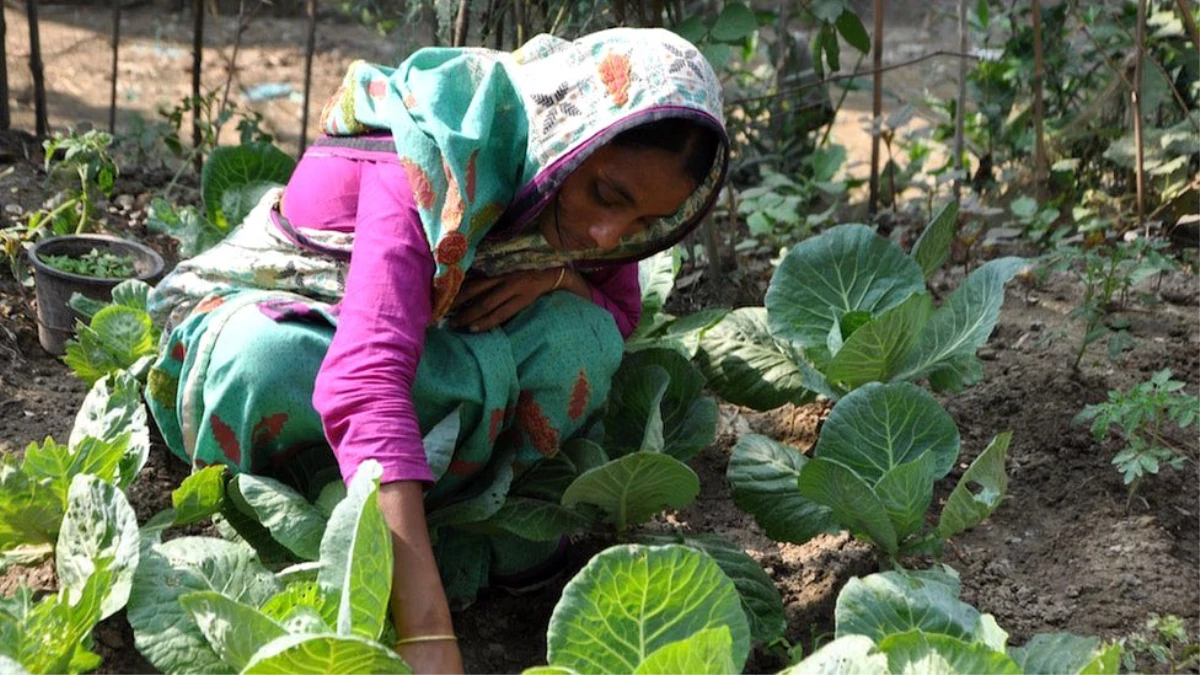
(138,248)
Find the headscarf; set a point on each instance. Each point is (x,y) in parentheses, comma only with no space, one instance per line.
(486,138)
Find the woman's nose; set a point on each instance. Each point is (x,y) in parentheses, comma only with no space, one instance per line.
(608,235)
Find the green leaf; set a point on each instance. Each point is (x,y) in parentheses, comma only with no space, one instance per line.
(548,670)
(127,334)
(979,491)
(356,553)
(706,652)
(965,322)
(233,173)
(763,475)
(199,496)
(847,655)
(932,654)
(827,10)
(113,407)
(53,635)
(133,293)
(631,601)
(635,487)
(1050,653)
(487,494)
(290,518)
(852,29)
(464,563)
(234,629)
(537,520)
(88,356)
(688,418)
(850,499)
(692,29)
(584,454)
(746,366)
(833,50)
(163,630)
(881,426)
(99,530)
(953,375)
(906,493)
(881,604)
(933,247)
(760,599)
(716,54)
(735,23)
(1106,662)
(656,278)
(846,269)
(185,224)
(85,306)
(875,352)
(321,654)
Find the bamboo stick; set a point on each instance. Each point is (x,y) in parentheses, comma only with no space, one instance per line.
(42,122)
(310,46)
(876,106)
(116,42)
(5,115)
(1039,137)
(197,62)
(960,112)
(1136,99)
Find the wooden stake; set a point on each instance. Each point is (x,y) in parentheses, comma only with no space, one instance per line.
(310,8)
(197,62)
(1136,99)
(960,111)
(116,42)
(462,23)
(1039,136)
(876,106)
(5,116)
(35,70)
(1189,23)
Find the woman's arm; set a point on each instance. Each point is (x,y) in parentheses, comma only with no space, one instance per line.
(364,395)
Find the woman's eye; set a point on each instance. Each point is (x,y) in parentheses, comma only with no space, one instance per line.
(600,196)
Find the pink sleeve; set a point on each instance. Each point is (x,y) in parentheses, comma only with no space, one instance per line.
(364,388)
(617,290)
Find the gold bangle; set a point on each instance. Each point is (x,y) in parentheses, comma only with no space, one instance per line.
(426,638)
(562,272)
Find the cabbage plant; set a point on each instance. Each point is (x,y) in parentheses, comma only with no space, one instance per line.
(914,622)
(648,609)
(849,307)
(872,472)
(206,605)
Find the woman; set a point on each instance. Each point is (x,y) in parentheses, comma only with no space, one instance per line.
(470,226)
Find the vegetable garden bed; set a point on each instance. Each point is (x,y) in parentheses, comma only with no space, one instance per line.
(1061,554)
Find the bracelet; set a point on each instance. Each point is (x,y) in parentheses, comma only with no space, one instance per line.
(426,638)
(562,272)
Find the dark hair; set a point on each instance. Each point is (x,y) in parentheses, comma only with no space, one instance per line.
(695,142)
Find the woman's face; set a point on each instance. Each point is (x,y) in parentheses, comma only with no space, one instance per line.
(616,192)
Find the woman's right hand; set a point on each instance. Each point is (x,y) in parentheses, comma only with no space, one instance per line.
(419,607)
(432,657)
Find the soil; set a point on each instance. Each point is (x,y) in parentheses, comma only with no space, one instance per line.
(1067,551)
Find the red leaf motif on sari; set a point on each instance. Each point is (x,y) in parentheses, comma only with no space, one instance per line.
(418,180)
(410,101)
(486,216)
(445,288)
(614,72)
(209,303)
(452,209)
(452,248)
(463,469)
(179,352)
(471,176)
(542,435)
(580,395)
(268,429)
(495,424)
(226,438)
(377,89)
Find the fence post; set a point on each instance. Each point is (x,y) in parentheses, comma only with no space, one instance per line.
(116,41)
(1039,136)
(876,106)
(5,118)
(960,112)
(310,7)
(197,61)
(35,69)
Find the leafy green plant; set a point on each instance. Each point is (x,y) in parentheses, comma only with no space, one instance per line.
(905,622)
(94,264)
(1108,273)
(1164,639)
(648,609)
(110,440)
(657,328)
(773,208)
(233,180)
(85,160)
(717,39)
(849,307)
(201,604)
(1139,416)
(95,558)
(119,336)
(872,472)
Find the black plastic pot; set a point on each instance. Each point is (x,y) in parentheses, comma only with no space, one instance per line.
(56,319)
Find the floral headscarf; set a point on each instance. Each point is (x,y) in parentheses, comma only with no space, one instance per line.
(486,138)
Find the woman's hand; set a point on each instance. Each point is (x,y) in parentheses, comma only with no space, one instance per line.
(487,302)
(419,606)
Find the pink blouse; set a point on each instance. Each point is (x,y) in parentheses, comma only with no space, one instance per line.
(364,388)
